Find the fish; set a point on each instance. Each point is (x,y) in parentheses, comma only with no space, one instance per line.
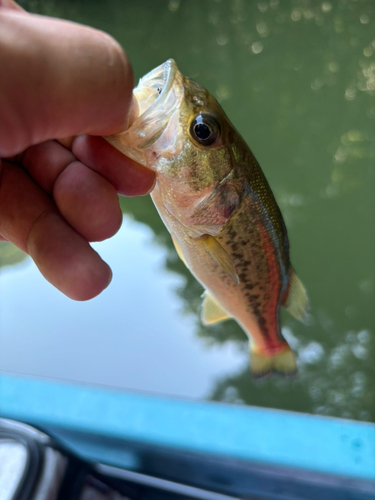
(218,207)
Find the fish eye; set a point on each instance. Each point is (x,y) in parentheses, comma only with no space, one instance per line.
(205,129)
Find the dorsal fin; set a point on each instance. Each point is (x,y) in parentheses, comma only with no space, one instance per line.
(296,302)
(220,255)
(212,312)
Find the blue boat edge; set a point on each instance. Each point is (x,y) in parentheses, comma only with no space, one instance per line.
(269,437)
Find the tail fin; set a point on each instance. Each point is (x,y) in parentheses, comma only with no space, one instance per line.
(263,364)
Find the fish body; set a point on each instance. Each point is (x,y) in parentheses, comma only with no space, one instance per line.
(216,203)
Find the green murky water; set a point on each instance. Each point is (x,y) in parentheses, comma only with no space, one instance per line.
(297,79)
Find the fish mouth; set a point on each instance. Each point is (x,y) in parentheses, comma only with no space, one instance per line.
(158,96)
(154,88)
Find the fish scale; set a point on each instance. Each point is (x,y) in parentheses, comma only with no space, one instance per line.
(220,211)
(256,285)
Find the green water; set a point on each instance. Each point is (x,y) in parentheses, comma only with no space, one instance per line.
(297,79)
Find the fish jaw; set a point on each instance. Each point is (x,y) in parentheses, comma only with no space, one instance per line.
(155,135)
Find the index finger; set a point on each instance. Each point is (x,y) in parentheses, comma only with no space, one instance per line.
(58,79)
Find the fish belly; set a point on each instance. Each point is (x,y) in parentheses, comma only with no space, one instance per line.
(255,302)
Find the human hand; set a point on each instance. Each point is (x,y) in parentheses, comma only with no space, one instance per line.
(61,85)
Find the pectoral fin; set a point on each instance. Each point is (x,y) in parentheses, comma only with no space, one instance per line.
(212,312)
(178,250)
(296,302)
(218,253)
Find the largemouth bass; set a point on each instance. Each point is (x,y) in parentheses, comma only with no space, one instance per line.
(216,203)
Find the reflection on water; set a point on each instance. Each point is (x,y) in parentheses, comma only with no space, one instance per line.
(132,336)
(297,78)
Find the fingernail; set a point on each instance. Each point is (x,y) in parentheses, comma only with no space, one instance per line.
(151,188)
(133,111)
(132,115)
(109,277)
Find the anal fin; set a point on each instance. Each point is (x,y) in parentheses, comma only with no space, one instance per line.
(220,255)
(212,312)
(296,302)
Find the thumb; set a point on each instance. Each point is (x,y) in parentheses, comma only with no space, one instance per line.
(10,4)
(58,79)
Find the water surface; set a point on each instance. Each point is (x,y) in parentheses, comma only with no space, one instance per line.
(297,79)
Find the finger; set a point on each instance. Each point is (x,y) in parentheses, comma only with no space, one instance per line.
(29,219)
(128,177)
(87,201)
(21,204)
(61,79)
(45,162)
(66,259)
(9,4)
(66,141)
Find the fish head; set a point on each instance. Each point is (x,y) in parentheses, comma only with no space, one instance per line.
(180,132)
